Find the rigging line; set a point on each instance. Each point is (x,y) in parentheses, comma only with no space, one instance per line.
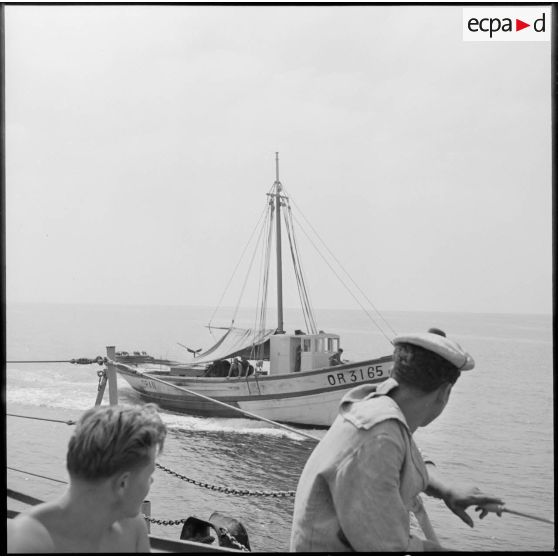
(350,278)
(305,290)
(345,271)
(69,422)
(347,288)
(342,281)
(307,312)
(248,272)
(236,267)
(255,352)
(261,275)
(35,475)
(299,260)
(309,305)
(298,280)
(296,270)
(263,309)
(300,295)
(263,322)
(265,275)
(260,283)
(299,283)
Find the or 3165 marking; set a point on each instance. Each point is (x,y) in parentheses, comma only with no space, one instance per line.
(358,375)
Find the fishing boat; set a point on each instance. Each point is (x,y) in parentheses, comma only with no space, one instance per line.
(292,377)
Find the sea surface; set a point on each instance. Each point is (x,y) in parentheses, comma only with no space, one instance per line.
(496,432)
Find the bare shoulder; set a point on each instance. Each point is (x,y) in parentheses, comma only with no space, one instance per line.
(128,535)
(139,527)
(27,535)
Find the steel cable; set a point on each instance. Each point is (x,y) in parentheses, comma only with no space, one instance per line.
(69,422)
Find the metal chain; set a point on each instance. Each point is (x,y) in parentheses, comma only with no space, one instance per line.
(230,540)
(164,521)
(226,490)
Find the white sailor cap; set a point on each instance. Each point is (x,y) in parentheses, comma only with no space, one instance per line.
(437,342)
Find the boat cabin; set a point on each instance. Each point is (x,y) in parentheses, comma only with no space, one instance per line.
(298,353)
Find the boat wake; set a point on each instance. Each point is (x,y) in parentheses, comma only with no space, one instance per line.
(50,397)
(52,389)
(236,425)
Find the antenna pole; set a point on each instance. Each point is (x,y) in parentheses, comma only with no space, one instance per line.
(278,189)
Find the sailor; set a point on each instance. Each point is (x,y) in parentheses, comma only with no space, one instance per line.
(244,364)
(234,370)
(335,358)
(363,478)
(110,459)
(246,369)
(298,357)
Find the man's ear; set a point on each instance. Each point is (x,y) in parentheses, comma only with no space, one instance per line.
(444,392)
(121,482)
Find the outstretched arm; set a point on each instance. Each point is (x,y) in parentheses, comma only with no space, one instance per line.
(457,498)
(366,491)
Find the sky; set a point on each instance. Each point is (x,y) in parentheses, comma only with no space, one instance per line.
(141,140)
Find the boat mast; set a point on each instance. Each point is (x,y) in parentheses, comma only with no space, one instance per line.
(278,189)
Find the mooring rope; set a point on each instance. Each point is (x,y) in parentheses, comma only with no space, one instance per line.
(206,397)
(69,422)
(36,475)
(33,361)
(499,509)
(97,360)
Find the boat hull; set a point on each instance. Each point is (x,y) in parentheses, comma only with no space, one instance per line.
(307,398)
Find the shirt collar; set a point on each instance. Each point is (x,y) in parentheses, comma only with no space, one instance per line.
(366,406)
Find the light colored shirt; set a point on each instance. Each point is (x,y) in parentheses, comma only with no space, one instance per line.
(360,483)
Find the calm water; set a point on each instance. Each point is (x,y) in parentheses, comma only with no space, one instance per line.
(496,432)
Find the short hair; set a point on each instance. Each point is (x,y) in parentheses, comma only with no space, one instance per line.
(422,368)
(109,440)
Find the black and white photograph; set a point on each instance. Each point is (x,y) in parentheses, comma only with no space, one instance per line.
(278,277)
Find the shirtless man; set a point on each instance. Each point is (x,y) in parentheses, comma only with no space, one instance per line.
(110,460)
